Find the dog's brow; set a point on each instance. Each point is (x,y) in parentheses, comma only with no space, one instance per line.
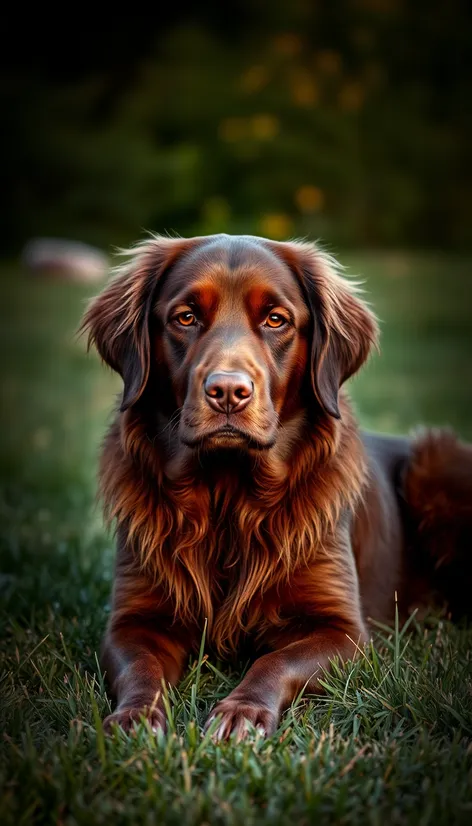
(264,295)
(204,295)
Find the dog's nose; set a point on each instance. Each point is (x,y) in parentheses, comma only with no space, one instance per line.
(228,392)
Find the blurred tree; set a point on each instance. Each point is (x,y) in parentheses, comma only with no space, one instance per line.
(347,120)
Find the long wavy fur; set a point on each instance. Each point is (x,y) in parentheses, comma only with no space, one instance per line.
(212,548)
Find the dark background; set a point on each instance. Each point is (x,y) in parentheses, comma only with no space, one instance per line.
(347,120)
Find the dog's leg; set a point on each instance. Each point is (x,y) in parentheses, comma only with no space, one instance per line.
(142,648)
(277,678)
(327,624)
(137,658)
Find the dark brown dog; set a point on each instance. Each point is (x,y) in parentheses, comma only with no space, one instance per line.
(241,487)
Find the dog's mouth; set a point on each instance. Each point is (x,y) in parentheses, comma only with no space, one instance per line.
(228,436)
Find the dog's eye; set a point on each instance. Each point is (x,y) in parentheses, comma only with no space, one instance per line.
(275,320)
(186,319)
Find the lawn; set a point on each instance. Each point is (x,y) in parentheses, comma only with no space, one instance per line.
(390,742)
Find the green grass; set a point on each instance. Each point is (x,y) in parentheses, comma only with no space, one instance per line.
(391,742)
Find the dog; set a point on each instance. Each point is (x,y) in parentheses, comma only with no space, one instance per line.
(245,497)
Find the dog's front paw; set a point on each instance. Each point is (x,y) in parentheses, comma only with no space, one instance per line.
(129,718)
(241,716)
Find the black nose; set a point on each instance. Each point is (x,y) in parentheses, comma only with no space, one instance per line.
(228,392)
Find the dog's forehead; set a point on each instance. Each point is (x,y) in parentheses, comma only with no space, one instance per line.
(232,263)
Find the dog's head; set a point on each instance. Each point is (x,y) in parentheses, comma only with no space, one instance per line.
(231,336)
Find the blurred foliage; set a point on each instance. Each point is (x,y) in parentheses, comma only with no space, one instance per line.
(347,120)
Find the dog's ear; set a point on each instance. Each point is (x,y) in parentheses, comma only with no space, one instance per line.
(343,328)
(117,321)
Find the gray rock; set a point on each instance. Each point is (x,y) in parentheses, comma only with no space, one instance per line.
(63,258)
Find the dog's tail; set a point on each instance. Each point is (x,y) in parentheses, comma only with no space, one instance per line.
(437,489)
